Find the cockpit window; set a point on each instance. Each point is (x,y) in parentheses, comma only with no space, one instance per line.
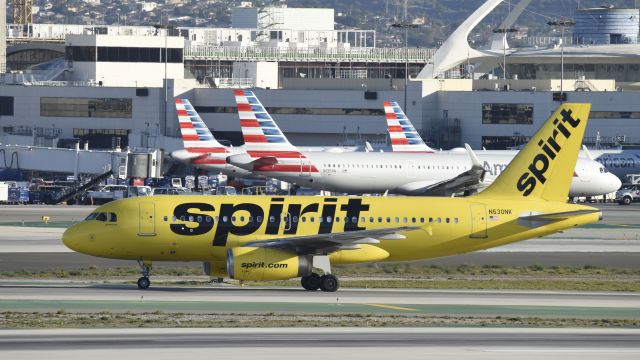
(92,216)
(113,217)
(101,217)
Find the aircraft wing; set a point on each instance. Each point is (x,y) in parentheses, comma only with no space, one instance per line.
(533,220)
(322,244)
(468,180)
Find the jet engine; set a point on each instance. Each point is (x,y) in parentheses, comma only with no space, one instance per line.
(258,264)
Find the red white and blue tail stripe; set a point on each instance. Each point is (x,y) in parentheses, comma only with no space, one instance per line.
(404,137)
(263,138)
(195,134)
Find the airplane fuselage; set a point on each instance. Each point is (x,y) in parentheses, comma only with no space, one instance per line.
(203,228)
(411,173)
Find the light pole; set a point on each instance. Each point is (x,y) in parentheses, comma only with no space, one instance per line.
(504,32)
(562,23)
(406,27)
(166,28)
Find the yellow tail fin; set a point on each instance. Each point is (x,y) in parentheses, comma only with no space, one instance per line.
(545,166)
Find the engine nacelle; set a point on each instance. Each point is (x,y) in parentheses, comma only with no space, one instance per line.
(258,264)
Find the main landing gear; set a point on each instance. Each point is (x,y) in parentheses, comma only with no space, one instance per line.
(326,282)
(145,269)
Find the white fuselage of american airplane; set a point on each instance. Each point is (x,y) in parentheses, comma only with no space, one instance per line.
(412,173)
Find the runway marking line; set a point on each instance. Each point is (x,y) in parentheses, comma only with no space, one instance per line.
(391,307)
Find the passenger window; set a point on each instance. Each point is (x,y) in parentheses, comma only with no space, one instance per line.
(337,219)
(328,219)
(304,219)
(233,219)
(320,219)
(405,220)
(379,219)
(208,219)
(241,218)
(272,219)
(447,219)
(439,220)
(295,219)
(166,218)
(225,219)
(346,220)
(363,219)
(430,220)
(371,220)
(397,219)
(174,219)
(388,220)
(413,220)
(199,219)
(455,220)
(312,218)
(259,219)
(421,220)
(354,220)
(182,218)
(250,219)
(190,218)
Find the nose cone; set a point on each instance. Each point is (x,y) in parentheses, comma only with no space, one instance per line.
(612,183)
(70,238)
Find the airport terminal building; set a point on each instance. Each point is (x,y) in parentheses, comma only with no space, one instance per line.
(115,86)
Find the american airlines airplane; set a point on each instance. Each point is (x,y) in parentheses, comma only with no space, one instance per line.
(590,177)
(269,153)
(202,150)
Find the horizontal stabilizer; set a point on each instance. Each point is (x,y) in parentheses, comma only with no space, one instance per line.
(534,220)
(245,161)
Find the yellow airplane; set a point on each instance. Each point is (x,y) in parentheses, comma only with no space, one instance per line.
(283,237)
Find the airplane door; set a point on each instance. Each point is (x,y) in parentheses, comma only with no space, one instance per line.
(478,221)
(305,166)
(147,221)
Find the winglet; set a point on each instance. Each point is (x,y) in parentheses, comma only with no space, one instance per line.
(543,169)
(404,137)
(588,153)
(472,155)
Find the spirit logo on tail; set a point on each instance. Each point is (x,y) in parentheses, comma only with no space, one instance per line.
(540,164)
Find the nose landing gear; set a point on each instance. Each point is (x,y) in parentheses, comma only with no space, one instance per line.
(145,269)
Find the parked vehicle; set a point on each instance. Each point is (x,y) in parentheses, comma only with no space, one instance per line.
(114,192)
(628,194)
(169,191)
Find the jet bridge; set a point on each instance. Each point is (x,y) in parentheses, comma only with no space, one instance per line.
(77,161)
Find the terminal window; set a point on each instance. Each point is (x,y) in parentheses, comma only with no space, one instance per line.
(507,114)
(6,105)
(504,142)
(86,107)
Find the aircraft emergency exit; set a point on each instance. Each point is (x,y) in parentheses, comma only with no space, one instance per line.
(282,237)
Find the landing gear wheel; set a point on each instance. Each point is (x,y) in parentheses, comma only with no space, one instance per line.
(311,282)
(329,283)
(143,283)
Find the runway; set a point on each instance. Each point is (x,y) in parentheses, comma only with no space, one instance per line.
(53,296)
(339,343)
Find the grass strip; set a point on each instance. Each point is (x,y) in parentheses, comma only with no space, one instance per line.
(63,319)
